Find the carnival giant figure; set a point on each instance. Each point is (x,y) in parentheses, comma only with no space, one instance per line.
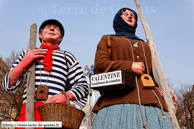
(138,108)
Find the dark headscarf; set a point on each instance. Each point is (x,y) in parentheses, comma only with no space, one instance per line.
(124,29)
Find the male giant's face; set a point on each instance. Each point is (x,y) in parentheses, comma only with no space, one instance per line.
(51,33)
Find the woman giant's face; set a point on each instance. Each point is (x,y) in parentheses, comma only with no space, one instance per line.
(128,17)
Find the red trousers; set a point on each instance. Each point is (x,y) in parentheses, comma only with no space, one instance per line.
(22,117)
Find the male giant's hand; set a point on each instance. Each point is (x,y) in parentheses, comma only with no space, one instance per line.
(60,98)
(28,58)
(138,68)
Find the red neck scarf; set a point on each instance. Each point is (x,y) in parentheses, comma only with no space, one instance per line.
(47,62)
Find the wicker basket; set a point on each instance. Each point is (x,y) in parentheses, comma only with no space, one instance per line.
(71,117)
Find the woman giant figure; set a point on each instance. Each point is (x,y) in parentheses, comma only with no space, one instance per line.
(125,111)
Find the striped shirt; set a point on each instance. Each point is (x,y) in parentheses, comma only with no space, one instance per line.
(56,79)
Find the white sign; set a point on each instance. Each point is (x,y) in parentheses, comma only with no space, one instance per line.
(104,79)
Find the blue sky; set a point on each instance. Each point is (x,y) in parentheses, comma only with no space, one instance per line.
(85,21)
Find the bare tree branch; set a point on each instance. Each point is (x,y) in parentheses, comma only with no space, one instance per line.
(10,104)
(185,95)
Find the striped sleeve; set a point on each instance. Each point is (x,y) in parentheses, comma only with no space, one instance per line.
(5,83)
(79,87)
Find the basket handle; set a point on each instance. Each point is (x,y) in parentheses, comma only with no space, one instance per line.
(67,101)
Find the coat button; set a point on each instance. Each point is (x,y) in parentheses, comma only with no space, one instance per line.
(137,56)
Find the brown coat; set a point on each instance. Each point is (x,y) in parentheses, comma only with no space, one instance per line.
(121,53)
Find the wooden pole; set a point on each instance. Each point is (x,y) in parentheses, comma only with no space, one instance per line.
(31,77)
(158,71)
(87,111)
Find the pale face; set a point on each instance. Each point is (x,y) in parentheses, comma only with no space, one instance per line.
(128,17)
(51,35)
